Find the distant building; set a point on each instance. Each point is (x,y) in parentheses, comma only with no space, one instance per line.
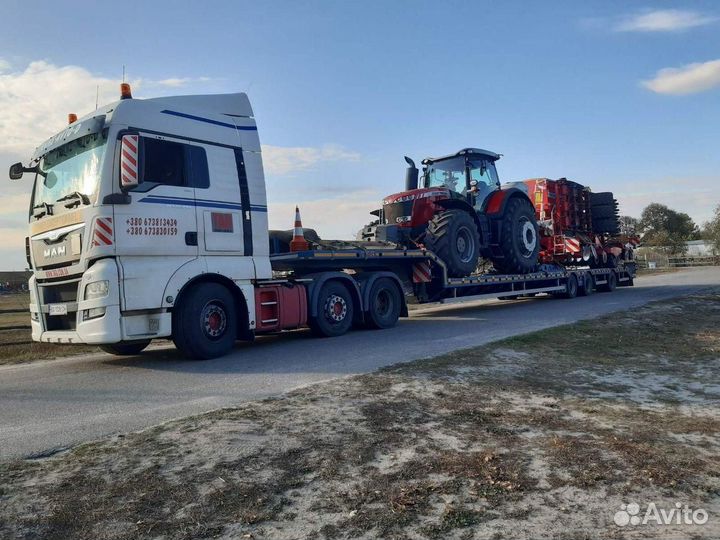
(699,248)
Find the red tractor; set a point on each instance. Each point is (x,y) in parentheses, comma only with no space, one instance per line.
(461,214)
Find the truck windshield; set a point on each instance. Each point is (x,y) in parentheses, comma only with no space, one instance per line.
(72,168)
(448,173)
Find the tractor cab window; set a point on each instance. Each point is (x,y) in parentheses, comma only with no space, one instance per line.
(448,173)
(484,176)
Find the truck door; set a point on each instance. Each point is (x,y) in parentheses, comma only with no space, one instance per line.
(161,220)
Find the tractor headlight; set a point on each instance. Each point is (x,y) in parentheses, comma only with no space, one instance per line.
(97,289)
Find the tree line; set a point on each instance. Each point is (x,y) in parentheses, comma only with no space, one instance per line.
(662,227)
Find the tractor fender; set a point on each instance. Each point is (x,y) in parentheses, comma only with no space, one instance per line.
(480,220)
(320,278)
(366,281)
(494,206)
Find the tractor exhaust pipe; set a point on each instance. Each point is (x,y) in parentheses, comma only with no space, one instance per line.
(411,175)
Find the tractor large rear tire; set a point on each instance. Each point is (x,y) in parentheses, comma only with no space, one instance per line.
(453,236)
(519,238)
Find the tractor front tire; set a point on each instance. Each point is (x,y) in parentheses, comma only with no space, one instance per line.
(519,239)
(453,236)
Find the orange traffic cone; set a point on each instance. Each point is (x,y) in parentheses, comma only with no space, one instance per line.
(298,242)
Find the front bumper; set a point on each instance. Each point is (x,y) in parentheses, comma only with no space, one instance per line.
(77,326)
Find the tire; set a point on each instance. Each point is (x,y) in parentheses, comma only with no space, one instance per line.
(571,287)
(453,236)
(335,310)
(204,324)
(127,348)
(588,285)
(384,304)
(612,261)
(611,284)
(519,238)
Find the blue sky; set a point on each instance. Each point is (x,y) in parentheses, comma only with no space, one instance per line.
(342,90)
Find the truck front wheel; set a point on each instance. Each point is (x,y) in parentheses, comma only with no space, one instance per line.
(334,308)
(204,324)
(128,348)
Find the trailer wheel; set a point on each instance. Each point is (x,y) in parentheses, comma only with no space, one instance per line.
(126,348)
(611,284)
(571,288)
(588,284)
(334,309)
(384,304)
(204,325)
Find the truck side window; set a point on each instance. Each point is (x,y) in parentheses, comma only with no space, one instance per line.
(197,166)
(173,164)
(164,162)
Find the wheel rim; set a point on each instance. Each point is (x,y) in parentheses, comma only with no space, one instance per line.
(383,303)
(335,308)
(528,237)
(465,244)
(213,319)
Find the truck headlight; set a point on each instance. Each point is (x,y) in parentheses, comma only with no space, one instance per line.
(97,289)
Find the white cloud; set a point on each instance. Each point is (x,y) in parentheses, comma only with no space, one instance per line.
(176,82)
(282,160)
(35,102)
(687,79)
(333,218)
(17,203)
(663,20)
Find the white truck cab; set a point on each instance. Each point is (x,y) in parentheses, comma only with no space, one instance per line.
(134,203)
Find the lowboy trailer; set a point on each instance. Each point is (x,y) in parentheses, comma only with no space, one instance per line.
(148,219)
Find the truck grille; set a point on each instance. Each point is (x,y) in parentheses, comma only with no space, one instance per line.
(60,293)
(393,211)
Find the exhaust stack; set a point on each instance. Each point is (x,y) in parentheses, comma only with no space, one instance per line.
(411,175)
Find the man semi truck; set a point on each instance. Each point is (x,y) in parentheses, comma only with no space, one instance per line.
(148,219)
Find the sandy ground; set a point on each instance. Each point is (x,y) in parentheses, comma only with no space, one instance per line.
(541,436)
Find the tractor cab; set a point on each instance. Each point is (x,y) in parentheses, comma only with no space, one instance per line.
(469,174)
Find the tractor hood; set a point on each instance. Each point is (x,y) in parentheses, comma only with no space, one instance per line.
(414,194)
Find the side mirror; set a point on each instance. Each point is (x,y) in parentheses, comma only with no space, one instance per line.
(16,171)
(129,152)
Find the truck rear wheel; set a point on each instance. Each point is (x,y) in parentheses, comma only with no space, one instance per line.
(204,325)
(519,240)
(384,304)
(335,309)
(126,348)
(453,236)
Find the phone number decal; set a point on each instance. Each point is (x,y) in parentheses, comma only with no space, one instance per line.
(151,226)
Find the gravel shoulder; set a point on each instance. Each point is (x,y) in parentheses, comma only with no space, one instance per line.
(544,435)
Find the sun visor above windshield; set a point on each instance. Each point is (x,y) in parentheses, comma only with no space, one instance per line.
(72,132)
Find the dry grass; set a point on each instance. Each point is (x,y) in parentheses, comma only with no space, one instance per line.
(16,346)
(540,436)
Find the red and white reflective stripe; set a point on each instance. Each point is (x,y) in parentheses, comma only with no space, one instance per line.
(129,160)
(572,245)
(103,232)
(422,272)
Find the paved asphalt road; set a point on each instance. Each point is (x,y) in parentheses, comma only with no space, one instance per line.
(55,404)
